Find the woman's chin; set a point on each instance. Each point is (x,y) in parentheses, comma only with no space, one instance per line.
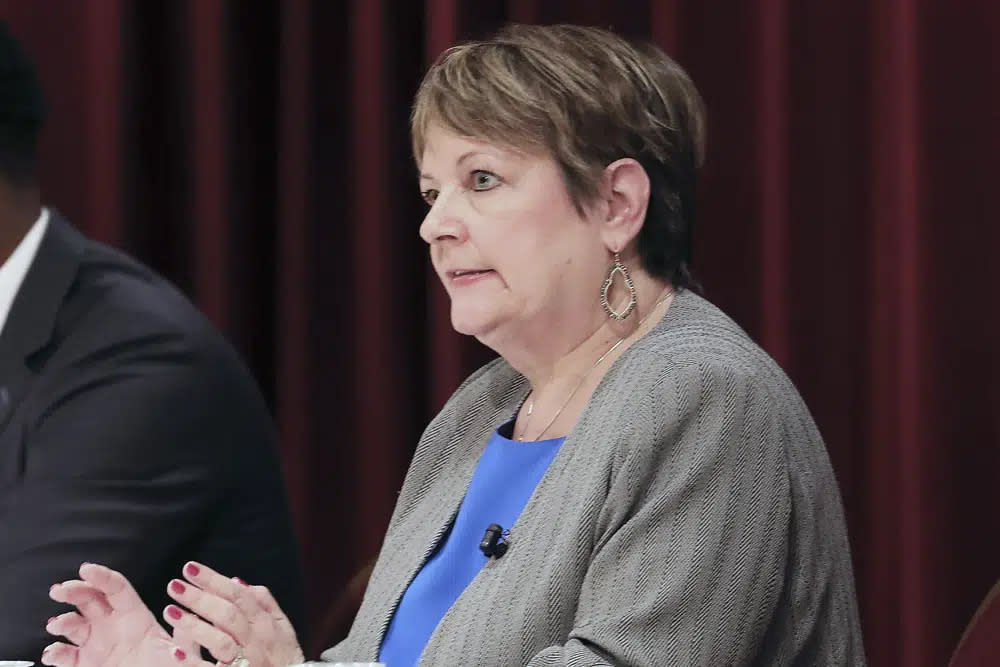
(472,323)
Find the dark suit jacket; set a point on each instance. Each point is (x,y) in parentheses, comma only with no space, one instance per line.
(132,435)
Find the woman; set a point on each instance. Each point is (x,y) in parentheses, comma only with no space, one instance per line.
(633,482)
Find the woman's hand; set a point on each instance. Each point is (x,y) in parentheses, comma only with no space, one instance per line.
(235,619)
(111,627)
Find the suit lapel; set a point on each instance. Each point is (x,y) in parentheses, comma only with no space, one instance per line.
(462,438)
(33,314)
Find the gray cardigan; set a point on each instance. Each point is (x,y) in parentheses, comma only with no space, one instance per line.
(690,518)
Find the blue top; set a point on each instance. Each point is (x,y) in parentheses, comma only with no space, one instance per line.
(505,477)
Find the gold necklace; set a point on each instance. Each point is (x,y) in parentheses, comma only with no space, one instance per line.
(531,405)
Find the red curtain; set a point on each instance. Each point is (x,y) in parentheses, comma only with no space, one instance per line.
(257,154)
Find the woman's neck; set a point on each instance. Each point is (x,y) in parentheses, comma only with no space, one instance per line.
(561,391)
(550,363)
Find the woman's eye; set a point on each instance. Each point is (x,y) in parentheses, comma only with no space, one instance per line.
(429,196)
(484,180)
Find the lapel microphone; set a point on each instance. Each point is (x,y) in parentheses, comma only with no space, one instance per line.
(493,544)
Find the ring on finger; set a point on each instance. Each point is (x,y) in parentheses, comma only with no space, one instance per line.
(239,660)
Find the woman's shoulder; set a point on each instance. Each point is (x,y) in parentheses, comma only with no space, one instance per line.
(696,328)
(697,366)
(699,339)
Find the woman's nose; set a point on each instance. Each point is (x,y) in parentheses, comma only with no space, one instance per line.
(442,222)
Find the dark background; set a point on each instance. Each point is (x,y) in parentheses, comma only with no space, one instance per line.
(257,154)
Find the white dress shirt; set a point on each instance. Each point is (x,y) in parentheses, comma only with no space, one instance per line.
(13,271)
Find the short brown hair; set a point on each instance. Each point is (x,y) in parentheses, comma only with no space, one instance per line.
(587,97)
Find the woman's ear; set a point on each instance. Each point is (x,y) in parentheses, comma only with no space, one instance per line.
(626,192)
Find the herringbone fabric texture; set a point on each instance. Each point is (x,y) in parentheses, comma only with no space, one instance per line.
(690,518)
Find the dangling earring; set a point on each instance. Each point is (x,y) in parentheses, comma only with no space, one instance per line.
(612,313)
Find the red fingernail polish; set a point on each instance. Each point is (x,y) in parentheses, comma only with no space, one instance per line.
(193,569)
(174,613)
(177,587)
(179,654)
(240,581)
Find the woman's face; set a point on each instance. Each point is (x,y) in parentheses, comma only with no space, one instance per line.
(511,249)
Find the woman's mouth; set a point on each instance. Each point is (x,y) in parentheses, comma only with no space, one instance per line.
(468,276)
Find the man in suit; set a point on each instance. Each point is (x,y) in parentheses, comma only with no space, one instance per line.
(131,434)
